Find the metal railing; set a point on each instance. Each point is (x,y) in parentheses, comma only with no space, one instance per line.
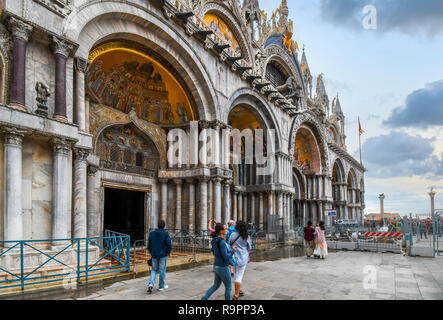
(62,259)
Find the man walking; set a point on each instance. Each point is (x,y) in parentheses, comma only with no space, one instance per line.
(309,239)
(159,246)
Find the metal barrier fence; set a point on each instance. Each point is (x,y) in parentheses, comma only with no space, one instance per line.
(32,262)
(185,245)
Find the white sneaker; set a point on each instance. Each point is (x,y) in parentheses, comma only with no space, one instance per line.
(161,289)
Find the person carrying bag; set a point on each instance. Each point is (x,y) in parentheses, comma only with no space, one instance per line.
(223,254)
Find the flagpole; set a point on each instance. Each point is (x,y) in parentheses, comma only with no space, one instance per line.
(359,138)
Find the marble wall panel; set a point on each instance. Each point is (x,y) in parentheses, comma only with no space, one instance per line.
(40,67)
(1,185)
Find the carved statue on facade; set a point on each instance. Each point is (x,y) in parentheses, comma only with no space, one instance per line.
(42,98)
(291,89)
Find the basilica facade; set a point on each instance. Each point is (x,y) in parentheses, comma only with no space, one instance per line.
(90,91)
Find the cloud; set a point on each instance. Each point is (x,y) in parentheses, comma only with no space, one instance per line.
(423,108)
(405,16)
(398,154)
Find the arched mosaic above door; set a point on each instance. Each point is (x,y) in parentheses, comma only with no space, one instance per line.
(127,79)
(123,148)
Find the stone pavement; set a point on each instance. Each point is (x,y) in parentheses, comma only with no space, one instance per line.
(339,277)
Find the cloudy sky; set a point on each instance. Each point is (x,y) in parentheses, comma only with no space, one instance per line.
(392,78)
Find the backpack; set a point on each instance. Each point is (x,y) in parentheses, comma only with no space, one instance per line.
(233,260)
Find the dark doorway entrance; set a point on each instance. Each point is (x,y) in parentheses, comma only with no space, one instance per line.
(124,212)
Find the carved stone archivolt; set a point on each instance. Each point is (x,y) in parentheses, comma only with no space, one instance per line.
(236,23)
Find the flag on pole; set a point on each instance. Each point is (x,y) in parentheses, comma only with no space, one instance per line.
(360,130)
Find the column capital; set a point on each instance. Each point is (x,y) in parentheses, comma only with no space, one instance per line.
(229,181)
(205,124)
(217,179)
(81,154)
(81,64)
(13,136)
(163,180)
(270,192)
(61,146)
(190,180)
(62,46)
(92,170)
(203,179)
(178,182)
(19,29)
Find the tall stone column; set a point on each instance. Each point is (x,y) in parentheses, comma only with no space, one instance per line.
(60,190)
(81,67)
(80,190)
(204,203)
(245,207)
(280,204)
(93,217)
(270,203)
(226,201)
(20,35)
(164,202)
(432,195)
(178,203)
(203,139)
(12,192)
(62,49)
(191,204)
(240,206)
(382,211)
(211,200)
(252,215)
(261,216)
(217,199)
(87,106)
(234,205)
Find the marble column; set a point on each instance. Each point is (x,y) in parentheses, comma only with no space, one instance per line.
(164,202)
(20,36)
(178,203)
(60,190)
(270,203)
(240,207)
(203,139)
(204,203)
(234,205)
(226,201)
(81,66)
(93,217)
(245,207)
(280,204)
(62,49)
(211,200)
(80,189)
(191,204)
(217,199)
(12,192)
(261,216)
(87,106)
(252,214)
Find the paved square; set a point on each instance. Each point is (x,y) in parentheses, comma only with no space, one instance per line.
(340,276)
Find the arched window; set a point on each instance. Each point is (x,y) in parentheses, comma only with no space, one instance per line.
(275,75)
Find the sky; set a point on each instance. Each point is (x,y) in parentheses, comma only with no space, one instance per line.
(389,75)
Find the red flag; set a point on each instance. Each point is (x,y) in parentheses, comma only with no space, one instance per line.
(360,130)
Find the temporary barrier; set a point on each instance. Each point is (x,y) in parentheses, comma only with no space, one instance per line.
(383,234)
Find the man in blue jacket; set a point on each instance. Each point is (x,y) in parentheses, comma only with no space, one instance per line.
(159,246)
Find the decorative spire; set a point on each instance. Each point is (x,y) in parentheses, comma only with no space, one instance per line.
(321,90)
(336,109)
(304,63)
(252,10)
